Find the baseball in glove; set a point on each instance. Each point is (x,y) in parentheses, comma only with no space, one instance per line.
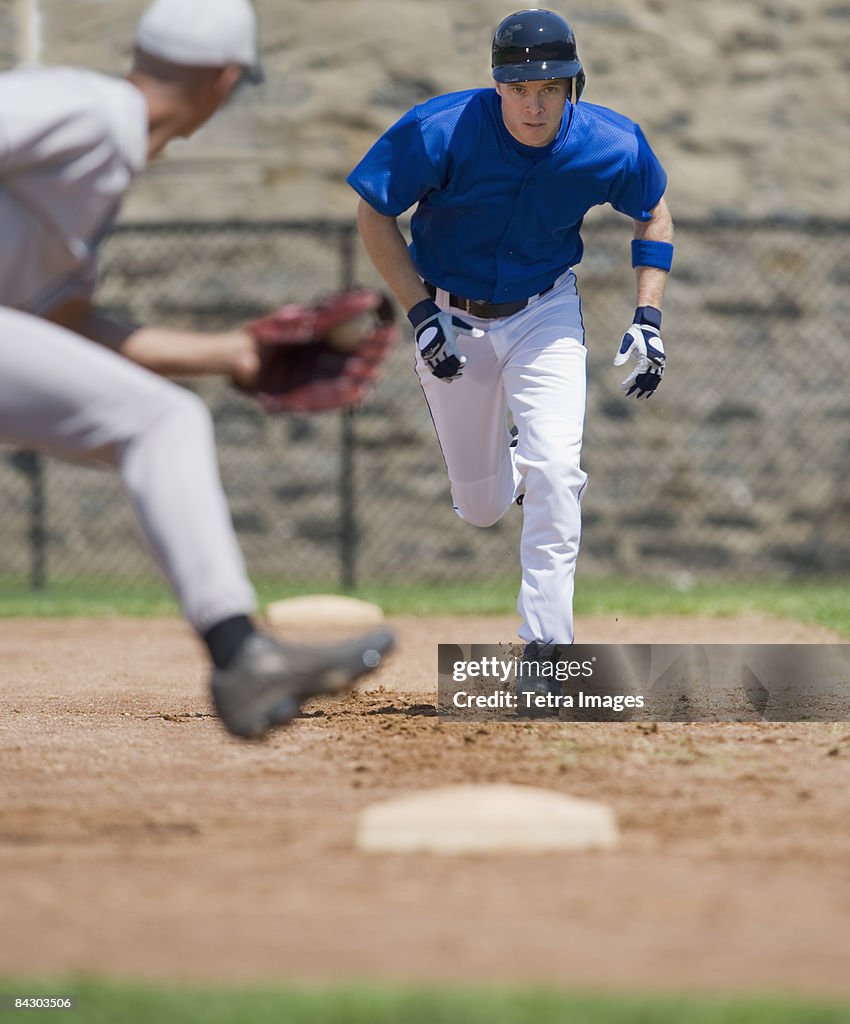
(324,356)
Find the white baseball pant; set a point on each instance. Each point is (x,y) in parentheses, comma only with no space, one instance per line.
(533,363)
(72,397)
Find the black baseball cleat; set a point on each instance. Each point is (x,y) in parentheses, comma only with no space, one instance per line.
(268,681)
(534,682)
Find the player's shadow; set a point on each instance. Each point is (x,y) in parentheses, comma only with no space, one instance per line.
(411,710)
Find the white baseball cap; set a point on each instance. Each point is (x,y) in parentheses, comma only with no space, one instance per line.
(201,33)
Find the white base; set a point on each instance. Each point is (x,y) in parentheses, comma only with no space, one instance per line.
(331,610)
(486,818)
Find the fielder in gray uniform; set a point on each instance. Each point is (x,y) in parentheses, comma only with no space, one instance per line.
(71,144)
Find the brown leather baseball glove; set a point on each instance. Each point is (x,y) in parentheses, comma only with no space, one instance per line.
(324,356)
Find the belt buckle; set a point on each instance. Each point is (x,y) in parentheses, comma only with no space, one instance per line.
(467,305)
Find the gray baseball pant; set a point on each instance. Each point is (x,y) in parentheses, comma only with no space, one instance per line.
(69,396)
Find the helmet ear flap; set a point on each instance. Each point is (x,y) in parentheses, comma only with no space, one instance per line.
(578,85)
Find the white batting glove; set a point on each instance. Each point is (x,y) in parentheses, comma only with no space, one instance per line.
(643,340)
(436,335)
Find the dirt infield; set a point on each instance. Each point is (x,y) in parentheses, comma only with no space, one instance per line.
(137,840)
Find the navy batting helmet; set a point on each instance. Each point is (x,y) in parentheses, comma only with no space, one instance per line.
(534,45)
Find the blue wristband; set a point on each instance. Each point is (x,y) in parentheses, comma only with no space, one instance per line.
(646,253)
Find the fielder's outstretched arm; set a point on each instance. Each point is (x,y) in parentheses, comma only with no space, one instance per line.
(651,281)
(165,350)
(388,251)
(259,356)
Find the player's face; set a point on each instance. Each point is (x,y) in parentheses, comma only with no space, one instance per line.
(532,111)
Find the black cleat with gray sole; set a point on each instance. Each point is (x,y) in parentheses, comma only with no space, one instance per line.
(532,679)
(268,681)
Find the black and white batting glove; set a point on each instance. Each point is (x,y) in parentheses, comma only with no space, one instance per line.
(643,340)
(436,335)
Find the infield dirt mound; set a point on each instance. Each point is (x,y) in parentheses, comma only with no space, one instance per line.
(136,839)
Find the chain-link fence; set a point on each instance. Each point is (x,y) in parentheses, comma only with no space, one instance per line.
(740,466)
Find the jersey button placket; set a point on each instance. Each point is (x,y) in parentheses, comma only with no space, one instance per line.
(522,206)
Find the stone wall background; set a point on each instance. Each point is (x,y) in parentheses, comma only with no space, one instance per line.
(744,100)
(739,468)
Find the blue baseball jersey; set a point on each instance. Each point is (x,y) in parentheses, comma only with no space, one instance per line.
(497,220)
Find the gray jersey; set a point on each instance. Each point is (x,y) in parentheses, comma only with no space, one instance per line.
(71,143)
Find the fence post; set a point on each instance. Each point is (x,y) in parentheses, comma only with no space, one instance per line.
(31,465)
(348,503)
(348,447)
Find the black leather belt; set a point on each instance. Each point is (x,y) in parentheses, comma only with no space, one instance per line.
(486,310)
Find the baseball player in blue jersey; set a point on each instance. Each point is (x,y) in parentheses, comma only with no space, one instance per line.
(500,179)
(71,144)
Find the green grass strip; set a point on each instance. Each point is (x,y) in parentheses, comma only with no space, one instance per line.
(103,1002)
(824,603)
(88,597)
